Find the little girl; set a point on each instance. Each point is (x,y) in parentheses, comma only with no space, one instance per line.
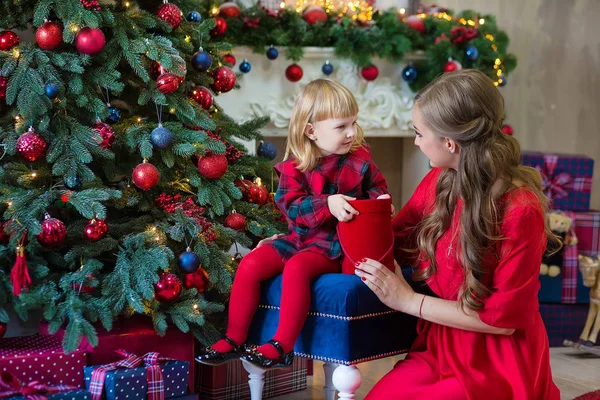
(326,165)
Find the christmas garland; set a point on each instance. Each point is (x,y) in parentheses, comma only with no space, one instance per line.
(446,41)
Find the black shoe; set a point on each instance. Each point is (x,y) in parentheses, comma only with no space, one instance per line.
(210,356)
(253,356)
(586,343)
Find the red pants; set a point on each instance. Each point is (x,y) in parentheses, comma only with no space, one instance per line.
(264,263)
(415,379)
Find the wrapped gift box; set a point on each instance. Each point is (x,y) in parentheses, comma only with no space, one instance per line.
(41,358)
(587,229)
(230,381)
(138,336)
(132,383)
(563,321)
(567,178)
(68,395)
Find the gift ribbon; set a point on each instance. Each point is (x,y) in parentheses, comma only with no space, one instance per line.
(558,186)
(11,386)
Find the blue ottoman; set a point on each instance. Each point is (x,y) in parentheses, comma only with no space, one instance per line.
(346,325)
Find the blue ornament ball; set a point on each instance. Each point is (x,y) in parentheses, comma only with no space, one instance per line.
(272,53)
(472,53)
(245,67)
(114,115)
(194,16)
(201,61)
(503,80)
(188,262)
(327,68)
(267,150)
(51,90)
(73,182)
(409,74)
(161,137)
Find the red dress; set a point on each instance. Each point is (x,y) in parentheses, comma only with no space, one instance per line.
(450,363)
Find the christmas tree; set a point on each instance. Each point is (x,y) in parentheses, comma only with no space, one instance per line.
(121,180)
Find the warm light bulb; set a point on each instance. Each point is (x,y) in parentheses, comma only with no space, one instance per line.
(481,21)
(215,11)
(402,11)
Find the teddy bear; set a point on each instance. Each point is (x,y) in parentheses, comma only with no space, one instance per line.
(560,225)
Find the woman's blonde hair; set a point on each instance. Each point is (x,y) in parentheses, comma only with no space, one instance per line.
(466,107)
(321,99)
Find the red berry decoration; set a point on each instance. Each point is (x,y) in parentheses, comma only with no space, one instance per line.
(370,73)
(313,15)
(229,10)
(145,176)
(415,22)
(93,5)
(8,40)
(203,97)
(30,145)
(213,166)
(53,233)
(106,132)
(49,36)
(90,41)
(95,230)
(229,59)
(168,288)
(452,66)
(3,85)
(220,27)
(507,130)
(223,79)
(3,329)
(236,221)
(4,237)
(294,73)
(169,13)
(167,83)
(197,280)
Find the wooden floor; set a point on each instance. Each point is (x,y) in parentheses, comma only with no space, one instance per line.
(574,372)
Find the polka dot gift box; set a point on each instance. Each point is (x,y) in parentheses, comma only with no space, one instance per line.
(137,378)
(12,388)
(41,358)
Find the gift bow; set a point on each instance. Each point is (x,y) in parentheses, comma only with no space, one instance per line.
(555,187)
(10,386)
(156,384)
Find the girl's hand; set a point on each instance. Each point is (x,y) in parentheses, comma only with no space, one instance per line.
(269,239)
(340,208)
(390,287)
(387,196)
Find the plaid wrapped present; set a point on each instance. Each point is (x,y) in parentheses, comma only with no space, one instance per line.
(230,381)
(186,397)
(563,321)
(587,229)
(138,377)
(41,358)
(566,178)
(12,388)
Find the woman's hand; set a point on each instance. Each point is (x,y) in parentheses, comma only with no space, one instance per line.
(390,287)
(340,208)
(387,196)
(269,239)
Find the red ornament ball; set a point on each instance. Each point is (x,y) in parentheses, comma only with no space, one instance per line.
(258,194)
(169,13)
(168,288)
(229,59)
(244,185)
(30,145)
(8,40)
(167,83)
(4,236)
(145,176)
(223,79)
(313,15)
(95,230)
(236,221)
(370,73)
(53,233)
(90,41)
(3,329)
(294,73)
(84,286)
(452,66)
(507,130)
(202,96)
(156,70)
(213,166)
(229,10)
(49,36)
(415,22)
(220,27)
(106,133)
(3,85)
(196,280)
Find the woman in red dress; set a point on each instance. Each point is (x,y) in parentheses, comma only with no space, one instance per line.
(477,224)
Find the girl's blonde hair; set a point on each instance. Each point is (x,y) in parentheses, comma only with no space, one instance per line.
(321,99)
(466,107)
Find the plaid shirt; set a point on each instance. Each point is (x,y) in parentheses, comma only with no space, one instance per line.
(302,198)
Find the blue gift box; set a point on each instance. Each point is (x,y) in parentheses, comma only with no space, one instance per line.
(68,395)
(132,384)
